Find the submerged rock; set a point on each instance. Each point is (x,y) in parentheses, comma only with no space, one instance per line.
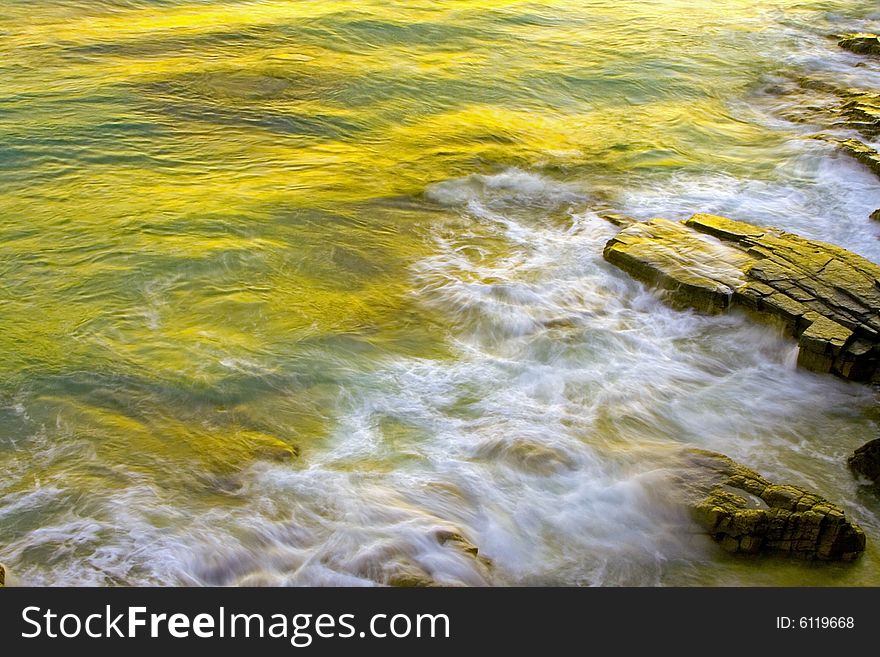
(826,296)
(620,220)
(455,540)
(748,514)
(821,101)
(527,455)
(862,43)
(404,571)
(844,107)
(865,461)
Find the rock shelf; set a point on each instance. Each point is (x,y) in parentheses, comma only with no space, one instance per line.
(825,296)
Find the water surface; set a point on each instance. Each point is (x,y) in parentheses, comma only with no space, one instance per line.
(290,287)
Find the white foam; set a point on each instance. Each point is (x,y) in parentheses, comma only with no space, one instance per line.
(539,441)
(819,193)
(525,441)
(511,186)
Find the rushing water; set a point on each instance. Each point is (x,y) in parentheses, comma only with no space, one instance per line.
(366,233)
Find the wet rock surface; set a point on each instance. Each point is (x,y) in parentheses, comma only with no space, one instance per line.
(408,574)
(747,514)
(832,105)
(697,272)
(865,461)
(862,43)
(857,109)
(853,113)
(826,296)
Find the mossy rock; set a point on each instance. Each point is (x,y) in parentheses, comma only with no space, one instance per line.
(747,514)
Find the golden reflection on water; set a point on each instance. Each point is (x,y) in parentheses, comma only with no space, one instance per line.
(155,133)
(210,211)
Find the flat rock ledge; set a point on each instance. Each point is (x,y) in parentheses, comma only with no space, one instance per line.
(825,101)
(746,514)
(823,295)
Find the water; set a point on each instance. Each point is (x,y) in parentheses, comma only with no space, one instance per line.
(290,289)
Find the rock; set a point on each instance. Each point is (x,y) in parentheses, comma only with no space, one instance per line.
(861,110)
(838,107)
(526,455)
(859,151)
(695,271)
(747,514)
(455,540)
(404,571)
(875,215)
(821,344)
(7,579)
(408,574)
(620,220)
(862,43)
(865,461)
(826,296)
(263,446)
(278,453)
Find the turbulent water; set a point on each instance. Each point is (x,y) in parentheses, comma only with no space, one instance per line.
(290,289)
